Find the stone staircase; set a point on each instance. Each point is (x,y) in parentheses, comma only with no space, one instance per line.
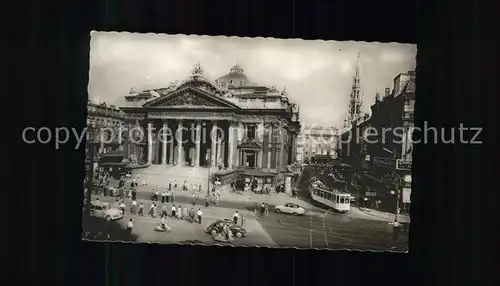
(161,175)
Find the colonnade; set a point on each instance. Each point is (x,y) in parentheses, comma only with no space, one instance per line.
(212,143)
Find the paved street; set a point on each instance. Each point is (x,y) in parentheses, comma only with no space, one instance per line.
(334,231)
(183,231)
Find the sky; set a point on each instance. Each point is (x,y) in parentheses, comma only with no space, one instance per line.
(317,74)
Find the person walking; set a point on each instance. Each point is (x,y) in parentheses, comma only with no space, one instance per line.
(133,208)
(167,197)
(164,212)
(130,226)
(395,231)
(141,209)
(178,213)
(185,213)
(192,215)
(172,197)
(236,216)
(199,213)
(157,195)
(163,196)
(173,211)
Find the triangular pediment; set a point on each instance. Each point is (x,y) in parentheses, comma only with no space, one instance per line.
(249,144)
(190,97)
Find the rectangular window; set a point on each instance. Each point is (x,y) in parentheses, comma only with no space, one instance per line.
(251,132)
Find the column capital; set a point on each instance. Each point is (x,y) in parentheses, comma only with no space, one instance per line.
(233,123)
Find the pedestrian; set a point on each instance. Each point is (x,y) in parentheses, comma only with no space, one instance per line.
(178,212)
(185,214)
(266,208)
(236,216)
(167,197)
(173,211)
(133,207)
(141,209)
(157,195)
(134,195)
(194,199)
(172,197)
(191,215)
(207,201)
(163,196)
(164,211)
(175,184)
(130,226)
(122,207)
(155,212)
(169,186)
(395,231)
(150,212)
(199,213)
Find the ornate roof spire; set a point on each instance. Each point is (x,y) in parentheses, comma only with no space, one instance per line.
(357,65)
(197,70)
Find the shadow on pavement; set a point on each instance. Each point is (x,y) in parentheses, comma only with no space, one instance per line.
(100,229)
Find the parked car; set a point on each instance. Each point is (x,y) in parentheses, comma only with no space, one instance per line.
(217,227)
(104,210)
(290,208)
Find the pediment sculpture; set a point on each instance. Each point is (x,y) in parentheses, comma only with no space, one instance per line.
(189,99)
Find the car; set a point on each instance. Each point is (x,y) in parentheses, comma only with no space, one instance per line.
(217,227)
(104,210)
(290,208)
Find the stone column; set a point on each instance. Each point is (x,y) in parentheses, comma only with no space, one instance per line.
(269,150)
(230,147)
(213,137)
(198,144)
(219,150)
(282,147)
(171,148)
(164,143)
(179,143)
(259,159)
(150,142)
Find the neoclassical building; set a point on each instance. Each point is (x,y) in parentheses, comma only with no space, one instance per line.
(230,122)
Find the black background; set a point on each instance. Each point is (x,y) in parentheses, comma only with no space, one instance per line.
(46,65)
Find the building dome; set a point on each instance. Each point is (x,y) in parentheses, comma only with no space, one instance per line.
(236,77)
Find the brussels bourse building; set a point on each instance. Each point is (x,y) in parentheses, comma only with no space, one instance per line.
(230,123)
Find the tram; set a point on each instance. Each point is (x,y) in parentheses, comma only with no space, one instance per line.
(336,199)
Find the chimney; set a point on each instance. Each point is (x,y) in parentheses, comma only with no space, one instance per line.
(387,91)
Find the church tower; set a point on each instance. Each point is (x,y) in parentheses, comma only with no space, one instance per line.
(356,97)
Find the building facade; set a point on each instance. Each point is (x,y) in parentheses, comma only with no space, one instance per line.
(384,155)
(319,141)
(230,122)
(104,123)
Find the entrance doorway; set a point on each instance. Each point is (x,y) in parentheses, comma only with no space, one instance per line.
(250,159)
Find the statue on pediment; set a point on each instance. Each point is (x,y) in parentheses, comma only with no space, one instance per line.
(273,89)
(132,91)
(197,70)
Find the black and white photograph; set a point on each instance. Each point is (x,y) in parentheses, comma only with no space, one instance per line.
(282,143)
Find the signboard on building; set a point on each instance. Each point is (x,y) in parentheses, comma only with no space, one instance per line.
(403,164)
(406,195)
(371,194)
(384,162)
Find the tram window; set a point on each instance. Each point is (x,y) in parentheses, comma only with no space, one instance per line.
(341,200)
(338,199)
